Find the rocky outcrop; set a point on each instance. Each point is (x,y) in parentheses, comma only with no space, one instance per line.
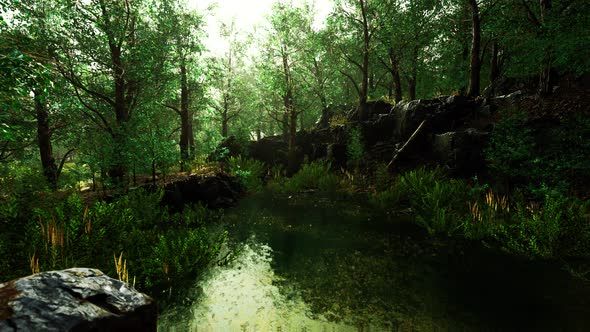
(230,146)
(77,299)
(455,133)
(214,191)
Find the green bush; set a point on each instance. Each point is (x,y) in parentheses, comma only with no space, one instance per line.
(439,204)
(250,172)
(136,227)
(437,201)
(510,152)
(387,199)
(355,148)
(559,166)
(315,175)
(556,227)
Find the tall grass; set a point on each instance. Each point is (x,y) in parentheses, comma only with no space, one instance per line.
(555,227)
(69,233)
(316,175)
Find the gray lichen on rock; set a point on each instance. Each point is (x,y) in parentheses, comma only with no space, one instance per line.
(77,299)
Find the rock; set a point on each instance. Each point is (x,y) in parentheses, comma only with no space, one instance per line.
(388,127)
(460,152)
(272,150)
(217,191)
(337,155)
(229,147)
(509,98)
(77,299)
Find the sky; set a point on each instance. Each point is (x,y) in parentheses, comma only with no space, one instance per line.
(247,13)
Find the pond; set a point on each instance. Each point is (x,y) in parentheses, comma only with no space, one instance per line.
(310,262)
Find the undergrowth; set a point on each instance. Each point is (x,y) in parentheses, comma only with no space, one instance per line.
(555,227)
(59,231)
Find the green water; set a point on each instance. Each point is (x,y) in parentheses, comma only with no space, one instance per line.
(315,263)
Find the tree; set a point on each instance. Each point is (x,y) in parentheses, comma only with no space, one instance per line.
(184,27)
(108,51)
(284,45)
(475,64)
(358,21)
(228,73)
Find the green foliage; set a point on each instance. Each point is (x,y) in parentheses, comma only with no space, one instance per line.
(250,172)
(557,226)
(559,166)
(436,201)
(316,175)
(159,247)
(510,152)
(338,120)
(355,148)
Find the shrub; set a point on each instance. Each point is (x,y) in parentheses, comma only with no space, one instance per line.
(558,167)
(555,227)
(250,172)
(315,175)
(135,227)
(510,151)
(387,199)
(439,204)
(355,148)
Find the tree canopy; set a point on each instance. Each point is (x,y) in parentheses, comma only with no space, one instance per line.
(130,87)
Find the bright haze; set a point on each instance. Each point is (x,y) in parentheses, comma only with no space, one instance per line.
(247,13)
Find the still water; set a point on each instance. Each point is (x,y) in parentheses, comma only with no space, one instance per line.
(315,263)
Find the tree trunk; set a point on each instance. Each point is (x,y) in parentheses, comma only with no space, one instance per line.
(119,170)
(184,116)
(548,73)
(475,64)
(154,172)
(413,75)
(364,93)
(290,115)
(44,141)
(191,139)
(285,125)
(301,122)
(224,126)
(395,77)
(320,82)
(494,68)
(292,155)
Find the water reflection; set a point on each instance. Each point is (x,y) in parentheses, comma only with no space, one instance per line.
(336,267)
(243,296)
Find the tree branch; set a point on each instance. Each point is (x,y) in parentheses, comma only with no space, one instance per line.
(353,82)
(63,161)
(174,108)
(532,17)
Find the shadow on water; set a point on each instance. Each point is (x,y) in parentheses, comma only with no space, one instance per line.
(313,263)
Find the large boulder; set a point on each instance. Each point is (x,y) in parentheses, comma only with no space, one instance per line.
(229,147)
(461,151)
(77,299)
(214,191)
(446,138)
(272,150)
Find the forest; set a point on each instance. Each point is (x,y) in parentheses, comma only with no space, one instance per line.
(373,168)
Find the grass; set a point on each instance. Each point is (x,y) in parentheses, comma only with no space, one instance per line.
(158,248)
(316,175)
(556,227)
